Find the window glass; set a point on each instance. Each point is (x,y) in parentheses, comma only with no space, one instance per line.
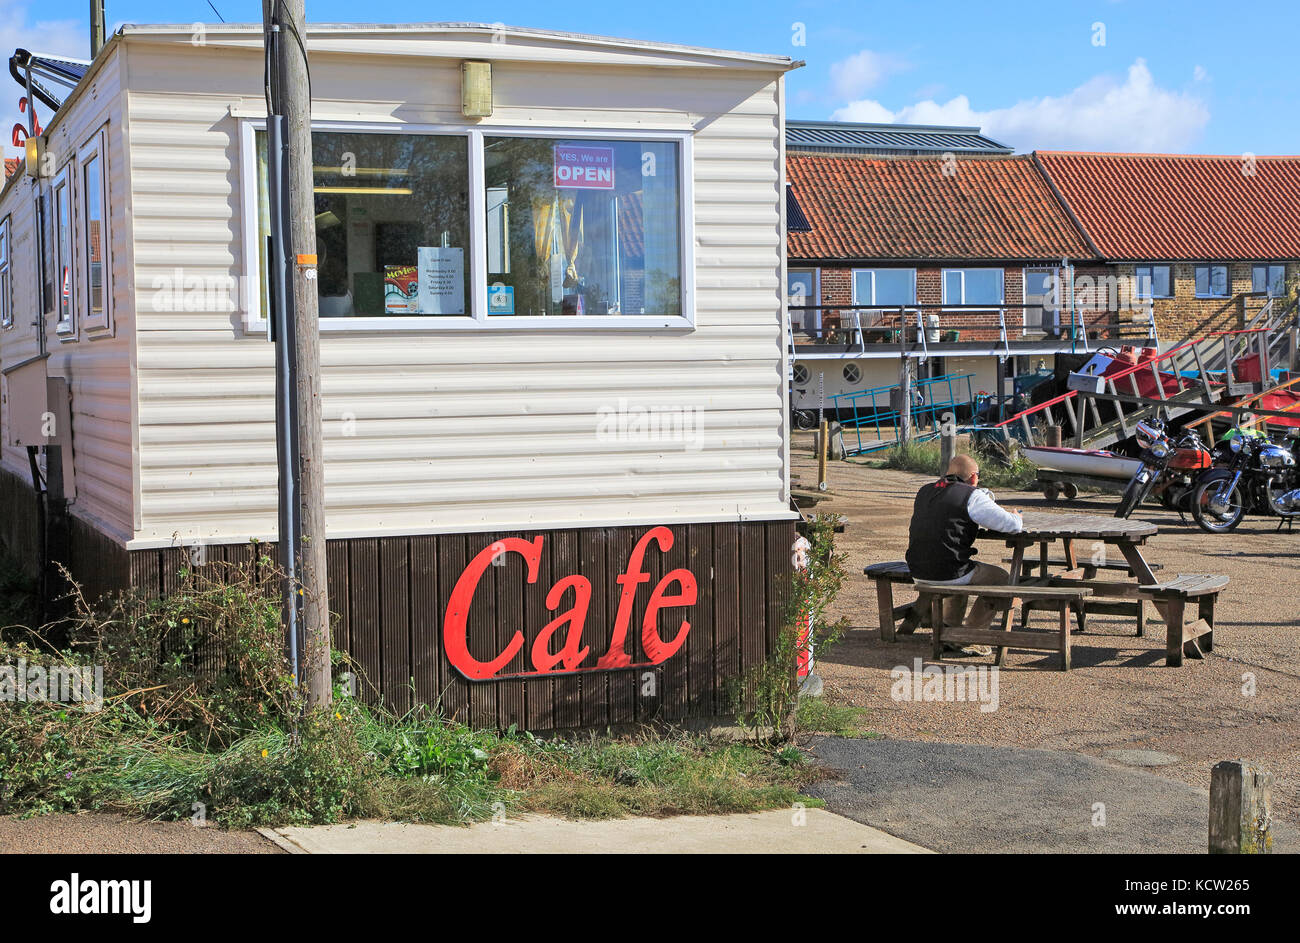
(1269,278)
(973,286)
(1152,281)
(801,289)
(887,287)
(6,302)
(392,223)
(63,252)
(1211,281)
(93,181)
(583,227)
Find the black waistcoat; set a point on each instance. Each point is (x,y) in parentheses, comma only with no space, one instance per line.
(941,541)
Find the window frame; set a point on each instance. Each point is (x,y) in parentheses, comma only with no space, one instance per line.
(1151,267)
(980,306)
(816,313)
(6,279)
(64,252)
(96,146)
(476,257)
(1039,329)
(1255,266)
(853,285)
(1227,278)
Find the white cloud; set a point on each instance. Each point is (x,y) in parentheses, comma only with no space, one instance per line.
(1101,114)
(19,30)
(862,71)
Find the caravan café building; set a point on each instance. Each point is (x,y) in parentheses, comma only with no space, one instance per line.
(556,329)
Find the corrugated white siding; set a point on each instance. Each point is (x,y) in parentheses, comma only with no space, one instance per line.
(97,365)
(441,431)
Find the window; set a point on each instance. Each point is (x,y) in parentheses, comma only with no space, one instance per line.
(801,374)
(1269,278)
(852,373)
(420,228)
(392,224)
(64,295)
(801,290)
(972,286)
(1041,299)
(1211,281)
(588,227)
(6,298)
(886,287)
(1152,281)
(96,298)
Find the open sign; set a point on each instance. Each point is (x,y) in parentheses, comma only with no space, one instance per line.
(584,168)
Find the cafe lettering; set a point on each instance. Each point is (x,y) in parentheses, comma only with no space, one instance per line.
(676,589)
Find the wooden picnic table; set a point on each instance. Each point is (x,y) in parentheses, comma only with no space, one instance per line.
(1091,533)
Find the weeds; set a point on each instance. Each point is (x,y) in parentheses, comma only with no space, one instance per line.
(998,468)
(200,718)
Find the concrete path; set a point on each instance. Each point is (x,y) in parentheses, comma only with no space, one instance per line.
(966,798)
(821,833)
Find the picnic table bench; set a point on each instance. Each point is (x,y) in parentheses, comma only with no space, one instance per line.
(1063,598)
(1194,637)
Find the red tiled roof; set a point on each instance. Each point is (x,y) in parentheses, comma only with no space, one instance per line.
(1158,207)
(907,208)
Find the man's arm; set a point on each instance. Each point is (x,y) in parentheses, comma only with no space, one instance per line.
(984,511)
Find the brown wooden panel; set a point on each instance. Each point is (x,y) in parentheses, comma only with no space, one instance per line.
(726,611)
(395,621)
(511,588)
(701,683)
(592,546)
(539,694)
(363,604)
(673,684)
(622,684)
(454,696)
(753,595)
(779,570)
(567,694)
(336,556)
(483,635)
(426,623)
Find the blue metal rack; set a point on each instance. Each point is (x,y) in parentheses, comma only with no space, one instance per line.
(869,411)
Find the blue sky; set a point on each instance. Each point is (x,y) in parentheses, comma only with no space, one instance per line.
(1140,75)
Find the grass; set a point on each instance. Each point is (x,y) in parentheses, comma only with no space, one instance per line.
(822,715)
(234,745)
(996,470)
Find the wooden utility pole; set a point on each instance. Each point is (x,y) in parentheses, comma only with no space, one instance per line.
(298,416)
(96,28)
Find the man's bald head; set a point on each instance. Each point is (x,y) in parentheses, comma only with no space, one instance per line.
(963,467)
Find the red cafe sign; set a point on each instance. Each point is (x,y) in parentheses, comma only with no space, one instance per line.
(573,620)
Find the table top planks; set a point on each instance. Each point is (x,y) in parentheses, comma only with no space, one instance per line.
(1049,525)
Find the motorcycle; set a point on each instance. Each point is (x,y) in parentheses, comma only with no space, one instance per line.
(1251,473)
(1170,469)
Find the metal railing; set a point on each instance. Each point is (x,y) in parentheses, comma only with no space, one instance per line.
(871,410)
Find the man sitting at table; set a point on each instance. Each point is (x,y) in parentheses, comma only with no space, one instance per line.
(941,543)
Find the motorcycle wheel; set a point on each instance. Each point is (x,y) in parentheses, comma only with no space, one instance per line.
(805,419)
(1214,512)
(1134,495)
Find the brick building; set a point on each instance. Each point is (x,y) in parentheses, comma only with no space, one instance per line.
(1208,239)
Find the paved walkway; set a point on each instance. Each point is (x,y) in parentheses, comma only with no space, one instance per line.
(966,798)
(821,832)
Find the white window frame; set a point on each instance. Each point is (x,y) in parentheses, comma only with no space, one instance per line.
(853,285)
(64,251)
(1227,277)
(96,146)
(478,318)
(1002,290)
(1152,266)
(6,282)
(1255,266)
(1026,327)
(816,314)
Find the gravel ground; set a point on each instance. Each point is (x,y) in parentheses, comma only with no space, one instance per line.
(1119,696)
(95,833)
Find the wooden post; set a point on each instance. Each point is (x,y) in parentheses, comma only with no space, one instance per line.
(291,98)
(1240,793)
(1053,437)
(823,440)
(947,445)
